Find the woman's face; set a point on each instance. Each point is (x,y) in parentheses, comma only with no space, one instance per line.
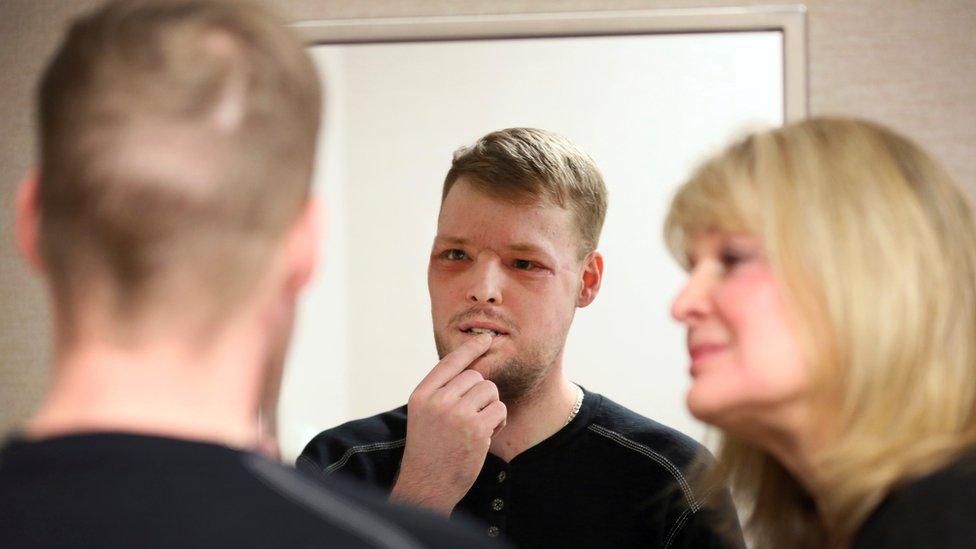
(746,364)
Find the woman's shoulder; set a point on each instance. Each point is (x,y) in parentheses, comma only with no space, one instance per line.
(937,510)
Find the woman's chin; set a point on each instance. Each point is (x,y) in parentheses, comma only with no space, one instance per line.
(707,406)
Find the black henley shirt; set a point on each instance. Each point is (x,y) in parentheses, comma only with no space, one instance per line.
(610,478)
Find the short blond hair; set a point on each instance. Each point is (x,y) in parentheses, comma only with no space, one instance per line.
(875,246)
(536,166)
(176,136)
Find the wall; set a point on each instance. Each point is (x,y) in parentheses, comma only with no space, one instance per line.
(907,63)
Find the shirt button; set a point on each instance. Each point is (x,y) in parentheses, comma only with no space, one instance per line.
(501,476)
(497,504)
(493,532)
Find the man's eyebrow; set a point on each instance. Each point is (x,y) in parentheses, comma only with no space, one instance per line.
(451,240)
(525,247)
(515,247)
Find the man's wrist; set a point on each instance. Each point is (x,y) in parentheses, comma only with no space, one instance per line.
(419,495)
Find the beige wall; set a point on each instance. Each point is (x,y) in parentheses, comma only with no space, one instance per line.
(907,63)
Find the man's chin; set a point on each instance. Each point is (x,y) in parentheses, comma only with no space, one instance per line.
(515,380)
(488,365)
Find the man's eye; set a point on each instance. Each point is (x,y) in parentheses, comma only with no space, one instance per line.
(524,264)
(454,255)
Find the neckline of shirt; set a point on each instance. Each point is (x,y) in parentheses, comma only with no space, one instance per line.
(591,402)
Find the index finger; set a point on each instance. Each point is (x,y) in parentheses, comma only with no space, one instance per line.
(456,361)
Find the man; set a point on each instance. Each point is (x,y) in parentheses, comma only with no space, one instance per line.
(171,221)
(496,430)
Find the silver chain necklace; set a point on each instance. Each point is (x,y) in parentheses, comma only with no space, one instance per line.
(577,406)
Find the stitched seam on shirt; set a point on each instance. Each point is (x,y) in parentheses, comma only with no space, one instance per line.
(658,458)
(315,466)
(682,519)
(374,447)
(677,527)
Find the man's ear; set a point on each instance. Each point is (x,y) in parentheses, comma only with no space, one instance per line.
(303,242)
(591,277)
(27,221)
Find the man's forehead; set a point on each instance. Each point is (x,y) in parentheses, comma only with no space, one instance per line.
(466,200)
(469,214)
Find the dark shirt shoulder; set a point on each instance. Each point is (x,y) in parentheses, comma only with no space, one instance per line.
(128,490)
(937,510)
(367,449)
(674,463)
(633,432)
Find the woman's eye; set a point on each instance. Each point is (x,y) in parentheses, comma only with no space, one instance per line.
(731,259)
(453,255)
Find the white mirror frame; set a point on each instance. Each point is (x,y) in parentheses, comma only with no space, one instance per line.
(789,20)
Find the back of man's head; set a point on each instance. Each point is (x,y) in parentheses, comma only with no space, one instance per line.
(176,147)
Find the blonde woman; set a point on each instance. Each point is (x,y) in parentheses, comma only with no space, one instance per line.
(831,318)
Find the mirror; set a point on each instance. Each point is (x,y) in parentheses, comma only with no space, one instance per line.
(647,107)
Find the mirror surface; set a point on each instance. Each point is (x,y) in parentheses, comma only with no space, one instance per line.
(647,108)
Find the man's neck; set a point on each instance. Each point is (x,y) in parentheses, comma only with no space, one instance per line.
(538,417)
(158,389)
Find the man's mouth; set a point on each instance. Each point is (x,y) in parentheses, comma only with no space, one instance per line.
(493,333)
(475,327)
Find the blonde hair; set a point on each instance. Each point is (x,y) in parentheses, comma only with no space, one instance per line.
(875,247)
(176,140)
(528,165)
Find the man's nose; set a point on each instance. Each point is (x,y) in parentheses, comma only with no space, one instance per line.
(693,302)
(486,282)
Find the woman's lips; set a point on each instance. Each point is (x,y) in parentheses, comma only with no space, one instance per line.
(701,352)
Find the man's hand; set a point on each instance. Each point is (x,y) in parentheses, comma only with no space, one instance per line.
(451,417)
